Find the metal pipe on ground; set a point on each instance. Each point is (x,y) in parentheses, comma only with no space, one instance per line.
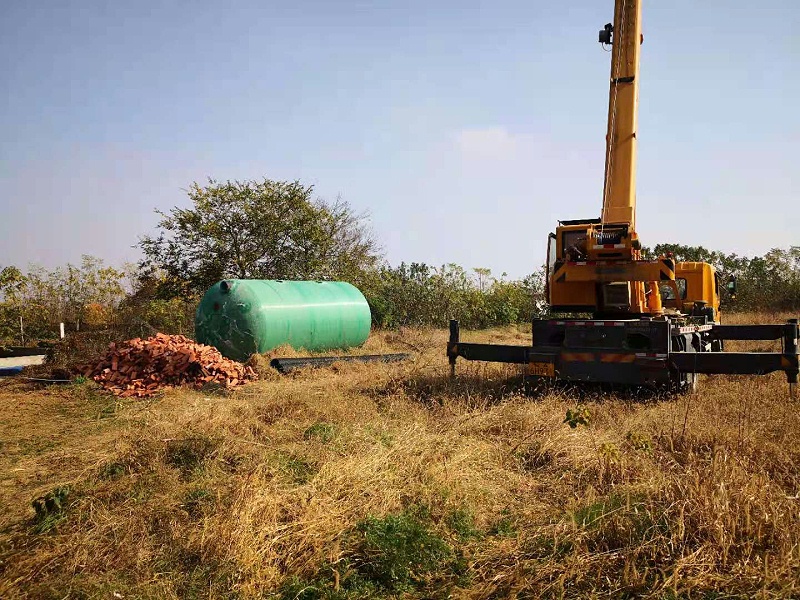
(285,365)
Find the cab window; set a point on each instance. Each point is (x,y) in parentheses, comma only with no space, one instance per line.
(573,245)
(667,293)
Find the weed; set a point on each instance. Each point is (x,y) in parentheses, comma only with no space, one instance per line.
(609,452)
(50,509)
(298,468)
(190,454)
(198,501)
(577,416)
(398,551)
(505,526)
(324,432)
(639,441)
(591,514)
(548,547)
(462,522)
(86,390)
(619,521)
(384,437)
(330,585)
(36,446)
(112,470)
(198,578)
(108,411)
(144,488)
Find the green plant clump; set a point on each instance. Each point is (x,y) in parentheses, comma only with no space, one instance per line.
(189,454)
(389,555)
(324,432)
(398,551)
(50,509)
(462,523)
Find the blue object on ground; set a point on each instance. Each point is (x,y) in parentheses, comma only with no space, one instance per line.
(10,371)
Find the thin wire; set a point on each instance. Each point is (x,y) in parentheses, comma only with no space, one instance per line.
(607,187)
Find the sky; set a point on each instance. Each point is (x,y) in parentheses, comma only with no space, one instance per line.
(466,129)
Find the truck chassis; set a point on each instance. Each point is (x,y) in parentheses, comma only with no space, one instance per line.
(650,352)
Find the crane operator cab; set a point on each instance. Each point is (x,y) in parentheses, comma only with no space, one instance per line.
(598,269)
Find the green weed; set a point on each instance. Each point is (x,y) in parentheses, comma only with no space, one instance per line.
(398,552)
(324,432)
(577,416)
(190,454)
(198,501)
(505,526)
(50,509)
(639,441)
(619,521)
(36,446)
(387,556)
(298,468)
(108,411)
(462,522)
(545,547)
(112,470)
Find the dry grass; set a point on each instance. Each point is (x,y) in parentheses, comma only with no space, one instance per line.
(364,481)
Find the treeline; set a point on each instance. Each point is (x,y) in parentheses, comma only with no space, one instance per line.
(85,297)
(420,295)
(94,296)
(278,230)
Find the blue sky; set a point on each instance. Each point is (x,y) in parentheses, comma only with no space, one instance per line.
(465,128)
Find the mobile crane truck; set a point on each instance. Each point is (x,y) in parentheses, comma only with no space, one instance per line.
(653,322)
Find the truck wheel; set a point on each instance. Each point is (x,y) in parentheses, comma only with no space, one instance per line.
(684,383)
(533,385)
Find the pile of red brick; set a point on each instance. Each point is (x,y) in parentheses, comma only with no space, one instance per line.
(141,368)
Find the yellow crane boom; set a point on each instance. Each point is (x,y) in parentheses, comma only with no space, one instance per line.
(625,36)
(596,265)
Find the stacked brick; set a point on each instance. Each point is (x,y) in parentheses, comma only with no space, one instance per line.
(140,368)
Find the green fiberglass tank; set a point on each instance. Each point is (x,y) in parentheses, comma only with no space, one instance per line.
(241,317)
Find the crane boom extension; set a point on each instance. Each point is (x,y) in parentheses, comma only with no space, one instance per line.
(596,265)
(655,322)
(619,191)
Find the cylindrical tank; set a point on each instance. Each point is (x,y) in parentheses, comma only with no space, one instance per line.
(241,317)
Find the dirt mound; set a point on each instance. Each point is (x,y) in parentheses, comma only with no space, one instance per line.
(142,367)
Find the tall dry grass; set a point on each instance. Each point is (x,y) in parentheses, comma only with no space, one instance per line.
(283,488)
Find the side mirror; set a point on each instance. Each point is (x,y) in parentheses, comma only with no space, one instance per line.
(731,287)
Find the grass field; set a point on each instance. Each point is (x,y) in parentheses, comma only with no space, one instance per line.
(371,481)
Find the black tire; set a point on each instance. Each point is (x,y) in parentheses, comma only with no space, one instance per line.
(533,385)
(684,383)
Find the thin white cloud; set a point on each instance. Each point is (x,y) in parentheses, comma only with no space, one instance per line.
(487,143)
